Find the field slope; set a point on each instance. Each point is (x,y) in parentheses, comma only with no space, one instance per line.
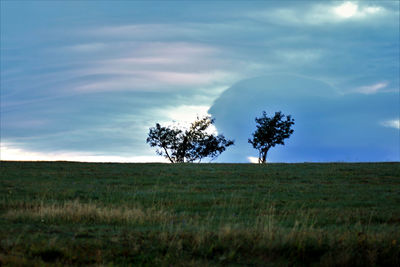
(66,213)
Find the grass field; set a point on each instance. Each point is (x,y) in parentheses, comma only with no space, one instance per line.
(64,213)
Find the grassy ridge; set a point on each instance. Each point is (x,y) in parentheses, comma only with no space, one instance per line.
(199,214)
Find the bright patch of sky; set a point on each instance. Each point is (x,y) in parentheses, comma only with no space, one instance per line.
(253,159)
(346,10)
(349,9)
(11,153)
(84,80)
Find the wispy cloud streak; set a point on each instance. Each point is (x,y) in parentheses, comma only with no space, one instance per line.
(392,123)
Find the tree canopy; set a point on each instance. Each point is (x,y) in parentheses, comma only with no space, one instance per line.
(188,145)
(270,131)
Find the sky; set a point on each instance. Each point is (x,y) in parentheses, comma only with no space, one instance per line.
(85,80)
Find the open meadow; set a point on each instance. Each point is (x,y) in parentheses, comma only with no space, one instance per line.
(66,213)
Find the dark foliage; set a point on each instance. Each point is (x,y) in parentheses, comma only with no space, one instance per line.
(270,131)
(188,145)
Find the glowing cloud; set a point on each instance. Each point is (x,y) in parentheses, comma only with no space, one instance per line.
(184,115)
(318,14)
(187,113)
(9,152)
(253,159)
(346,10)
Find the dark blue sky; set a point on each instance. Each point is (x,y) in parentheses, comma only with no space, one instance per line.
(84,80)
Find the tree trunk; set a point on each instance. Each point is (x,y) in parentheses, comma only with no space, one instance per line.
(264,156)
(182,151)
(166,152)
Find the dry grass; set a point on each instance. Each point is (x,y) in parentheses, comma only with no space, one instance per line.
(77,212)
(265,235)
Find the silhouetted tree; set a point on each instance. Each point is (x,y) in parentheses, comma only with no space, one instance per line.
(188,145)
(270,131)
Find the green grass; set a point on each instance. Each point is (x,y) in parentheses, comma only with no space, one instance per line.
(64,213)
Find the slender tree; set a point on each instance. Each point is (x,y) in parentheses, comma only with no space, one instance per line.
(270,131)
(188,145)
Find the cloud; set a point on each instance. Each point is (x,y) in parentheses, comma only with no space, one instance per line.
(348,10)
(145,48)
(88,47)
(160,81)
(155,66)
(184,115)
(24,124)
(372,89)
(320,14)
(138,31)
(299,56)
(153,81)
(188,30)
(392,123)
(329,126)
(95,84)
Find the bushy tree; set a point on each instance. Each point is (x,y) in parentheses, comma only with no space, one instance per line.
(270,131)
(188,145)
